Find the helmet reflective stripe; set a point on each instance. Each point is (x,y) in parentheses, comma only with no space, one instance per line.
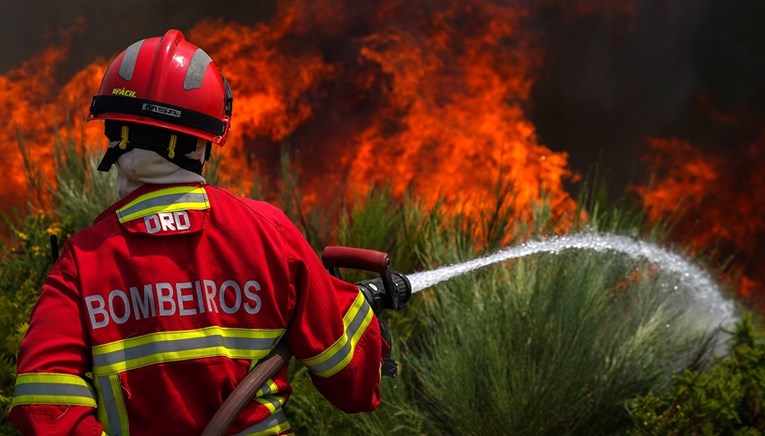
(169,83)
(228,98)
(141,351)
(128,61)
(337,356)
(165,200)
(48,388)
(111,405)
(196,72)
(274,424)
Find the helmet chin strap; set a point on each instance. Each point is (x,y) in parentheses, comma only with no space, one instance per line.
(173,146)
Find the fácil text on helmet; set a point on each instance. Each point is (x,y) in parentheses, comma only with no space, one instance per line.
(123,92)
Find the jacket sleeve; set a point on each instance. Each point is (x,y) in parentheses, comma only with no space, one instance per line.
(334,333)
(53,395)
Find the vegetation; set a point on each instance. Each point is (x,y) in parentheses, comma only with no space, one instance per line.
(567,343)
(727,399)
(549,344)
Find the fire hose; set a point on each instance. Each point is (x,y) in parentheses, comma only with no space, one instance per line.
(389,291)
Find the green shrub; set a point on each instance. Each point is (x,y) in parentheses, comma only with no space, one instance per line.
(24,263)
(727,399)
(548,344)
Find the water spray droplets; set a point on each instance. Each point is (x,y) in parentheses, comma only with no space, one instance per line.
(695,280)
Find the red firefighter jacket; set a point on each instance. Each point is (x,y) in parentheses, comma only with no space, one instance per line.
(150,318)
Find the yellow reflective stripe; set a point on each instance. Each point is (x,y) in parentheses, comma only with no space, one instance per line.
(51,388)
(215,341)
(165,200)
(112,412)
(336,357)
(163,192)
(163,208)
(101,407)
(266,396)
(272,425)
(272,402)
(275,430)
(269,387)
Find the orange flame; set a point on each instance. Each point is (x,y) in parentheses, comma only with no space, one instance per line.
(431,103)
(36,109)
(721,201)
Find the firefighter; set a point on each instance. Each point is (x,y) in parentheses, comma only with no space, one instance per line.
(150,317)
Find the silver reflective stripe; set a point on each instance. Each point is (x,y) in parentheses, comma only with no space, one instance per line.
(152,348)
(58,389)
(274,401)
(272,421)
(127,67)
(164,200)
(266,388)
(347,348)
(196,72)
(53,388)
(110,404)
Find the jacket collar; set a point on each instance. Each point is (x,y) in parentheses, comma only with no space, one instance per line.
(144,189)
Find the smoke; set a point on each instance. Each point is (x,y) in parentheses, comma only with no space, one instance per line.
(104,28)
(659,69)
(669,96)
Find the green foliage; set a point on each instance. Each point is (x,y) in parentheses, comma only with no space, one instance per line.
(550,344)
(81,192)
(23,267)
(547,344)
(314,223)
(24,264)
(727,399)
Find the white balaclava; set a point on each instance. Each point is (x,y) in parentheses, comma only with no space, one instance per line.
(138,167)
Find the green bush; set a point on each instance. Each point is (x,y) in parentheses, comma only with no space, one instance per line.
(548,344)
(24,263)
(727,399)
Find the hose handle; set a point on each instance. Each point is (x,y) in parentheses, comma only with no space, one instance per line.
(396,288)
(335,257)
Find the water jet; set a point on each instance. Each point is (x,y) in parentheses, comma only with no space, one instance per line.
(693,281)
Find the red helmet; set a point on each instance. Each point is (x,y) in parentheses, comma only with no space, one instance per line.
(169,83)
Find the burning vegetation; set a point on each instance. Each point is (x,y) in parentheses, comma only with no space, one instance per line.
(426,99)
(429,98)
(715,201)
